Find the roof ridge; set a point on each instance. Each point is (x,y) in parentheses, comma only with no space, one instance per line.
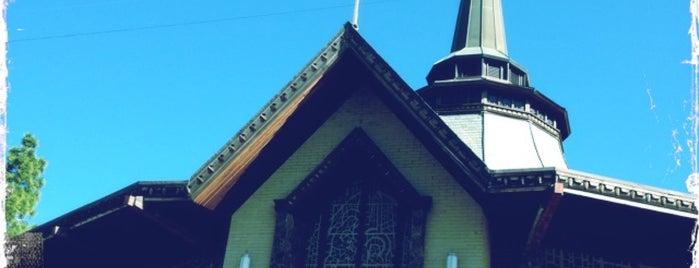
(231,148)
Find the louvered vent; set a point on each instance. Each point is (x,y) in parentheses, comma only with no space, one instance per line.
(516,79)
(469,68)
(494,71)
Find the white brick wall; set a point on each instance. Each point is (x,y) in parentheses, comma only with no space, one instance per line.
(469,128)
(455,224)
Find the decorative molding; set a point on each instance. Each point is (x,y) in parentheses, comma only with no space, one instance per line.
(521,180)
(526,112)
(628,191)
(543,179)
(311,72)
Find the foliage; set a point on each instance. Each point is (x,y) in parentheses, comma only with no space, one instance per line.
(24,180)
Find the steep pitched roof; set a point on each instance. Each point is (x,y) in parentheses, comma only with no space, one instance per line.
(348,54)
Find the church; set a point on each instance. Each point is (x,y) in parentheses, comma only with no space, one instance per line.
(348,166)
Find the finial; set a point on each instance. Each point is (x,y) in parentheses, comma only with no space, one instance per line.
(355,17)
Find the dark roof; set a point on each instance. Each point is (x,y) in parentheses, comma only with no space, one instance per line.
(169,190)
(146,224)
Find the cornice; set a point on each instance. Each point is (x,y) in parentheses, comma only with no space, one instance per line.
(593,186)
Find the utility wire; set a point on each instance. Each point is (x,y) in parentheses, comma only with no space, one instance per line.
(182,24)
(70,6)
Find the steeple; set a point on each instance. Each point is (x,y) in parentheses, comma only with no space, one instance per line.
(480,29)
(479,47)
(486,99)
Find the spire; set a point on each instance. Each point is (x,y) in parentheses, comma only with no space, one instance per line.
(480,28)
(479,49)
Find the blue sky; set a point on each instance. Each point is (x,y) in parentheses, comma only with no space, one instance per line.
(113,107)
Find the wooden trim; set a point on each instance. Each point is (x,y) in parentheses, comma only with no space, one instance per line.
(212,195)
(543,221)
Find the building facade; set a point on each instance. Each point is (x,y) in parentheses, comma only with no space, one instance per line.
(348,166)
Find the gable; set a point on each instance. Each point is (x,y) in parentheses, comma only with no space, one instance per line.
(356,190)
(346,64)
(456,222)
(357,157)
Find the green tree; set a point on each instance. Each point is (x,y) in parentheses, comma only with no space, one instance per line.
(24,180)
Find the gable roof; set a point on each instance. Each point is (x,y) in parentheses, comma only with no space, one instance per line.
(170,191)
(160,216)
(347,54)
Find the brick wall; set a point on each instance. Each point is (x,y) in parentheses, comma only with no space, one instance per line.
(456,223)
(469,128)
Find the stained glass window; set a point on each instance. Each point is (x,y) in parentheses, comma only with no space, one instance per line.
(312,248)
(380,231)
(354,210)
(361,228)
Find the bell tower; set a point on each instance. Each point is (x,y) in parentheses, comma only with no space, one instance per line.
(486,98)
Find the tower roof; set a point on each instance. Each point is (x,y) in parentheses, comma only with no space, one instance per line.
(480,29)
(487,97)
(479,48)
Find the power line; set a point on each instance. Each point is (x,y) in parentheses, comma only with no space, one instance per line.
(182,24)
(70,6)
